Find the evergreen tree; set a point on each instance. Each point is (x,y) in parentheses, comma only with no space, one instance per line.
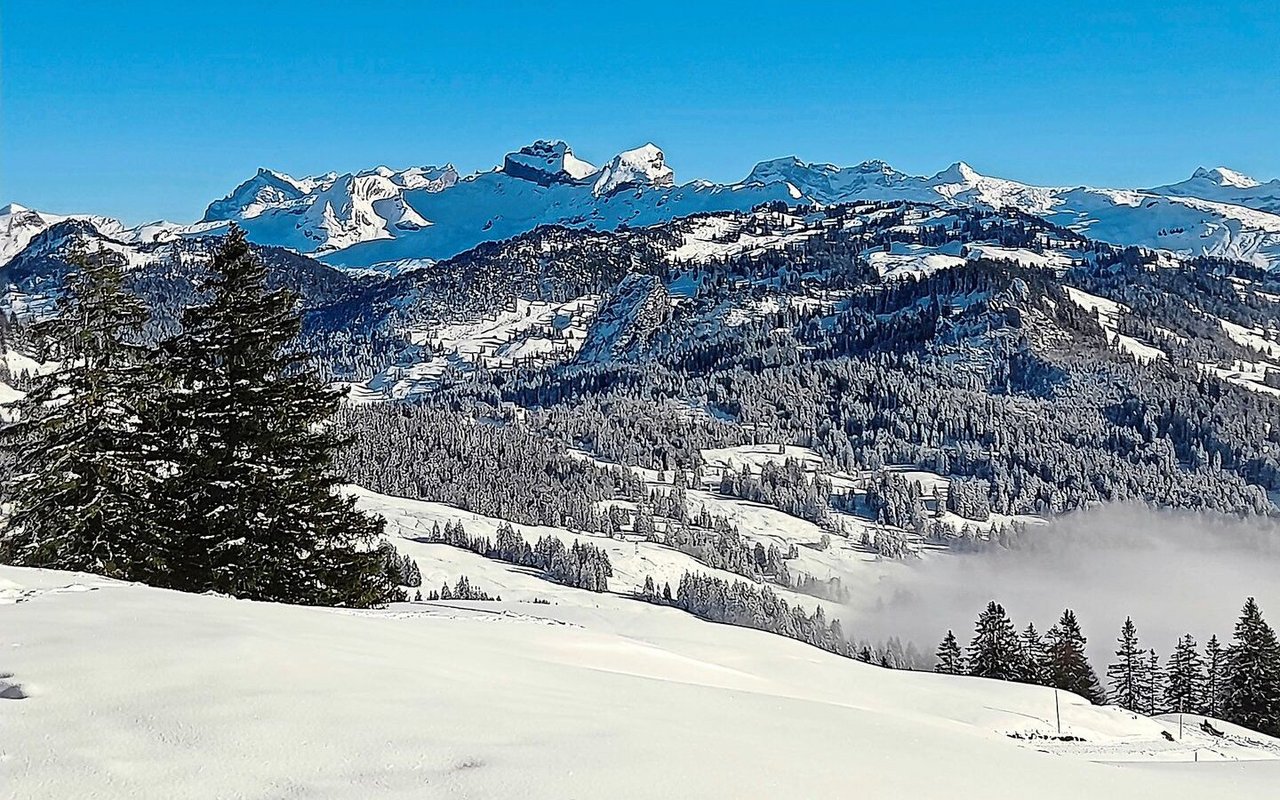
(649,592)
(995,651)
(1152,685)
(1033,654)
(1126,673)
(255,510)
(83,471)
(1253,674)
(950,656)
(1067,665)
(1184,687)
(1215,668)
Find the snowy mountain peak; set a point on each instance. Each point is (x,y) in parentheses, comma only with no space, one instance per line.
(789,169)
(265,189)
(641,168)
(959,172)
(546,162)
(13,208)
(1222,176)
(875,166)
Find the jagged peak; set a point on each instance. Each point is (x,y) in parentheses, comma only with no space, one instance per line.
(13,208)
(875,165)
(639,168)
(251,197)
(547,161)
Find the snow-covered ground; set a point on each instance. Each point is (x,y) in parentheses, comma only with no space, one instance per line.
(116,690)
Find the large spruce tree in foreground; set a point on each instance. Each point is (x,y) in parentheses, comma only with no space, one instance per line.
(250,501)
(82,442)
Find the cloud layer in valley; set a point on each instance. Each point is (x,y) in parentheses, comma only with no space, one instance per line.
(1173,572)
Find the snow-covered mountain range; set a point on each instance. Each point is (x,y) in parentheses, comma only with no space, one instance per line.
(384,218)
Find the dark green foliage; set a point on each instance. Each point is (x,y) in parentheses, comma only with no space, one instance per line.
(1252,696)
(950,656)
(1215,670)
(251,502)
(462,590)
(82,450)
(1033,653)
(583,565)
(995,651)
(1126,673)
(1184,679)
(1066,664)
(745,604)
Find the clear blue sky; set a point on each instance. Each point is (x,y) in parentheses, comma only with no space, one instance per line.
(145,110)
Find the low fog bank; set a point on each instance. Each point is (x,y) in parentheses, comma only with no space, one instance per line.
(1173,572)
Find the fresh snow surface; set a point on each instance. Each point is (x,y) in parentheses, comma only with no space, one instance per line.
(913,259)
(117,690)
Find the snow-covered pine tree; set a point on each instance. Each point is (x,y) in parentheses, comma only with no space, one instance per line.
(1067,665)
(950,656)
(1125,674)
(1033,654)
(1253,673)
(1184,685)
(1152,700)
(255,507)
(995,651)
(1215,667)
(83,445)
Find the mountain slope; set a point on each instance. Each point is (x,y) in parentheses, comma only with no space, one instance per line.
(1225,185)
(487,699)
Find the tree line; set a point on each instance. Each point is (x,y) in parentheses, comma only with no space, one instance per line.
(1239,683)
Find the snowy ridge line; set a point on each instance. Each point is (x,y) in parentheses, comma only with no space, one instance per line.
(383,218)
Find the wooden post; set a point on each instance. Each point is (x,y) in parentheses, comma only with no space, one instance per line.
(1057,711)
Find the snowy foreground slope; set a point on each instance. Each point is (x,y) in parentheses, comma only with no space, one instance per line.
(119,690)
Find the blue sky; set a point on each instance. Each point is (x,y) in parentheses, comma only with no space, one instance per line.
(146,110)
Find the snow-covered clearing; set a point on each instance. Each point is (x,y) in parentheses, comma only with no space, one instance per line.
(1109,312)
(1247,374)
(1253,338)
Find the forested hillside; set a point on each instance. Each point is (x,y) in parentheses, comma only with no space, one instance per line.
(1040,370)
